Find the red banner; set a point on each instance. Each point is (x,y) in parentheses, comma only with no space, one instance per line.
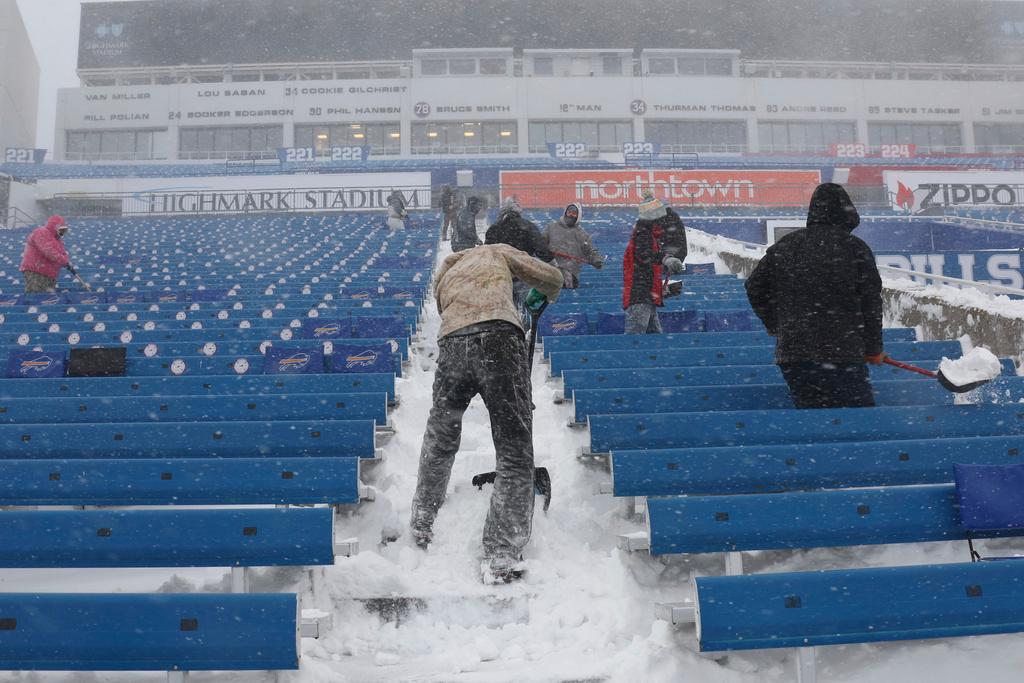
(682,188)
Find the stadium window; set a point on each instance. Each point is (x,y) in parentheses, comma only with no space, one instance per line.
(461,67)
(543,66)
(123,145)
(458,137)
(690,66)
(803,136)
(599,136)
(999,137)
(718,66)
(230,142)
(434,67)
(698,136)
(927,137)
(611,65)
(581,66)
(661,66)
(493,67)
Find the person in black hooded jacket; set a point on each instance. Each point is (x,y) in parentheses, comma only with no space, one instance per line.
(818,292)
(513,229)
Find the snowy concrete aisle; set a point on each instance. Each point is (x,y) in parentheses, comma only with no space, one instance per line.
(584,611)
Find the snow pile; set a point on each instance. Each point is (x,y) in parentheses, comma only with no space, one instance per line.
(978,365)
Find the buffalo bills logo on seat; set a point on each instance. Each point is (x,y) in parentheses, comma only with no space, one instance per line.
(168,298)
(89,300)
(364,359)
(328,330)
(9,301)
(35,365)
(50,300)
(402,295)
(564,325)
(294,363)
(361,295)
(125,299)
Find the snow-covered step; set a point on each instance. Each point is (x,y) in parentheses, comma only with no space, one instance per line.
(467,611)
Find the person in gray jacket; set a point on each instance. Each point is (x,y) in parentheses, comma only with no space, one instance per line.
(571,246)
(464,234)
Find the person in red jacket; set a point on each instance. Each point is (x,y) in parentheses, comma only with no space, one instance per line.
(656,247)
(44,256)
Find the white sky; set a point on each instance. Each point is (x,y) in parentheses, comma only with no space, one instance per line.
(53,27)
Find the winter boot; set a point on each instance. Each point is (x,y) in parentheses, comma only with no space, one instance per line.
(500,570)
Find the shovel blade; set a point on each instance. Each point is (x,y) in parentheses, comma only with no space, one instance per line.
(958,388)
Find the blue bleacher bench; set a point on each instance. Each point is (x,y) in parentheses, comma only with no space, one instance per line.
(278,439)
(611,342)
(221,385)
(805,609)
(907,392)
(167,538)
(807,519)
(724,374)
(362,406)
(754,427)
(148,632)
(726,355)
(183,481)
(794,467)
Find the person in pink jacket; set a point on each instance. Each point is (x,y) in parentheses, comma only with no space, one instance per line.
(44,256)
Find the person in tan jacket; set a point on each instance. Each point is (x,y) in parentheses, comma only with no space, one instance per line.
(482,351)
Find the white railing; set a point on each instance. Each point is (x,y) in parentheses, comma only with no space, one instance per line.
(749,68)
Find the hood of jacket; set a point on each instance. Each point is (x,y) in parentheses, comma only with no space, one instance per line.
(54,224)
(579,215)
(831,206)
(473,204)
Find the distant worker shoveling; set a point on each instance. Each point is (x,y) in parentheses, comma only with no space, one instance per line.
(964,374)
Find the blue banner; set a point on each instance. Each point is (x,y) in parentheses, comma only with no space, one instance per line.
(284,361)
(87,298)
(1001,267)
(319,328)
(31,364)
(51,299)
(209,295)
(553,325)
(363,358)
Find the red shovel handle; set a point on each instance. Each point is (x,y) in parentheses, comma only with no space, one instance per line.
(908,366)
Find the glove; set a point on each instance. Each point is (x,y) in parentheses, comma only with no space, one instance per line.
(534,300)
(876,359)
(674,265)
(599,265)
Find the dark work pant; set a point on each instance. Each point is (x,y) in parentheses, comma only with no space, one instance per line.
(490,363)
(828,385)
(36,283)
(642,319)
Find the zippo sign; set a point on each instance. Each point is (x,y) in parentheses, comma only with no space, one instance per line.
(931,192)
(551,189)
(989,267)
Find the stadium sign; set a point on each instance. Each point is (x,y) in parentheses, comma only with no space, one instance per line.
(932,192)
(262,194)
(550,189)
(988,267)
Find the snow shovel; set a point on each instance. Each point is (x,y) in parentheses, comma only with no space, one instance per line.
(943,380)
(79,278)
(541,476)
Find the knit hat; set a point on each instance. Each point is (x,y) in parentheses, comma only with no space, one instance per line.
(651,208)
(511,206)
